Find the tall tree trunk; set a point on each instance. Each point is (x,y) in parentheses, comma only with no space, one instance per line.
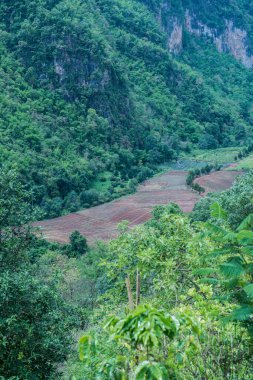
(129,293)
(138,287)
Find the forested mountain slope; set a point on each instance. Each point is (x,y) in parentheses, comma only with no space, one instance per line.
(95,94)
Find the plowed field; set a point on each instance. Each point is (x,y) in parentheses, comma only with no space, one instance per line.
(100,222)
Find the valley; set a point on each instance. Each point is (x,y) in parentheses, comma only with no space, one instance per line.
(126,189)
(100,222)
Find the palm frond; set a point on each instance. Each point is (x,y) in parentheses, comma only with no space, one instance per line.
(249,290)
(209,280)
(217,211)
(241,314)
(247,223)
(204,271)
(232,269)
(220,252)
(245,237)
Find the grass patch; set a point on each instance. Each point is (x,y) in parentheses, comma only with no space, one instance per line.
(103,182)
(245,164)
(217,156)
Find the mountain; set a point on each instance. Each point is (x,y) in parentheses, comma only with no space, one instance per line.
(227,24)
(96,94)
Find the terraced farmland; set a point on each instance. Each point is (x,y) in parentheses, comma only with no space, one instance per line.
(100,222)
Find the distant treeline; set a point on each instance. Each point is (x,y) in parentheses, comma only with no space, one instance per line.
(244,152)
(196,173)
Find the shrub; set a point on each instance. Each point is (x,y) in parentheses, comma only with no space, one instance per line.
(77,246)
(89,197)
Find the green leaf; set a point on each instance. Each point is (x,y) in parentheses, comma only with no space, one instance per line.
(241,314)
(232,269)
(248,250)
(249,290)
(246,224)
(85,343)
(245,237)
(220,252)
(111,322)
(230,237)
(204,271)
(207,280)
(151,371)
(217,211)
(213,229)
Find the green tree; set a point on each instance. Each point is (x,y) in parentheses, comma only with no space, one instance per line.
(77,245)
(35,325)
(35,321)
(150,336)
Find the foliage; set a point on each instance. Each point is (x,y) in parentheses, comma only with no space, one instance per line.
(34,327)
(78,245)
(193,174)
(89,88)
(148,336)
(198,188)
(217,211)
(169,253)
(234,253)
(92,103)
(35,321)
(15,214)
(163,252)
(236,201)
(245,152)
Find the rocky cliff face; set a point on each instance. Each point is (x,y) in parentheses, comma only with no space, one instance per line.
(232,40)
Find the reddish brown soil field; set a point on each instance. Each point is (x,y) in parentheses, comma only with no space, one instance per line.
(100,222)
(218,181)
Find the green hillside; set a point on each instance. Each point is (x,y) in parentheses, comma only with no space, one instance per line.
(90,87)
(95,97)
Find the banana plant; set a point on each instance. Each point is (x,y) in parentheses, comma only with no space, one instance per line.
(234,261)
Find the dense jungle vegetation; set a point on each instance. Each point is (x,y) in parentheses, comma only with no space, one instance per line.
(92,101)
(171,299)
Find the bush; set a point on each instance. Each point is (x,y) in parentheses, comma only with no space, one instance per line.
(52,207)
(89,197)
(189,179)
(77,246)
(171,208)
(201,210)
(198,188)
(144,174)
(132,185)
(72,202)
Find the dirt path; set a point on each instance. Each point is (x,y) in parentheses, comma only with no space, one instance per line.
(100,222)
